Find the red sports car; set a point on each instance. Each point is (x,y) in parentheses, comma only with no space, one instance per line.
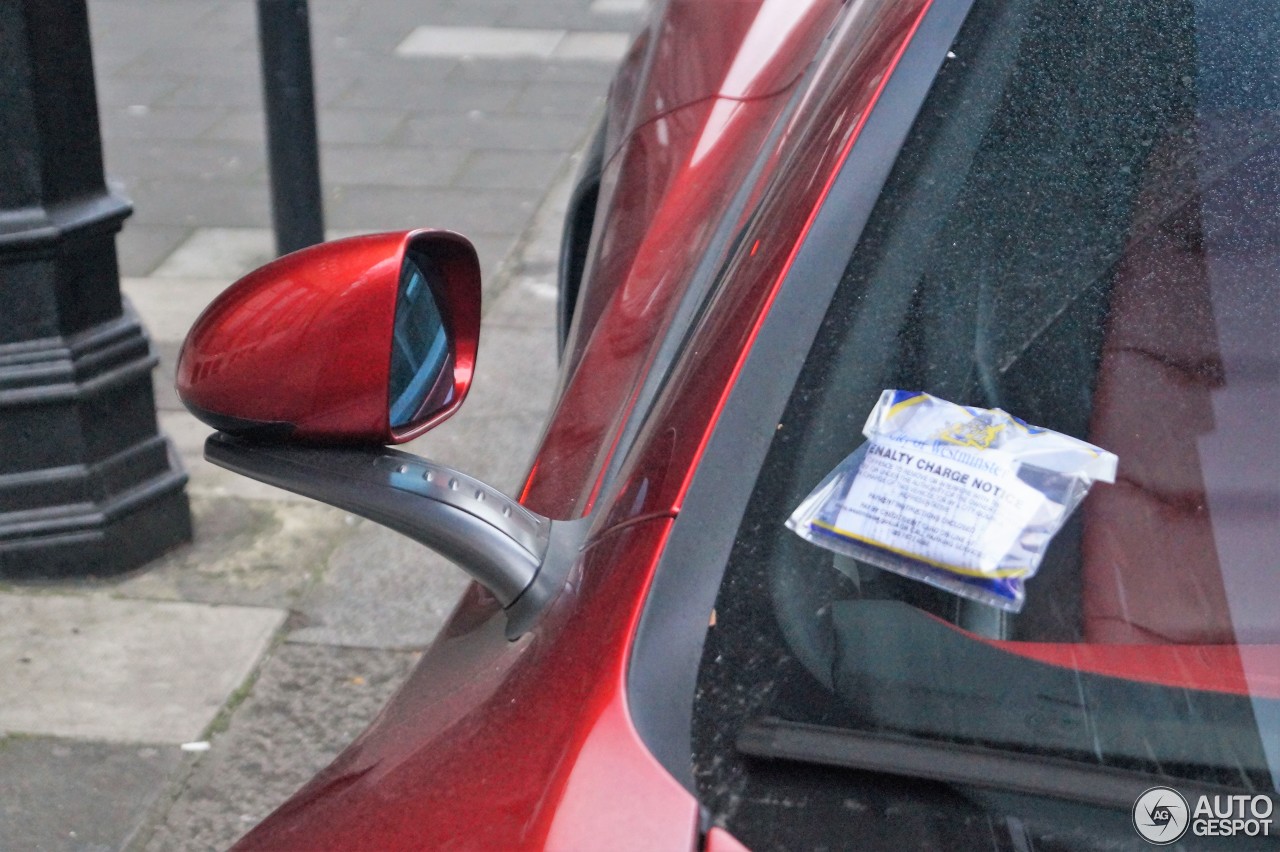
(1068,210)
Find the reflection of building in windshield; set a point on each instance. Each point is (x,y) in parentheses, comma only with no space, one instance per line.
(1239,123)
(1150,570)
(1240,459)
(1186,397)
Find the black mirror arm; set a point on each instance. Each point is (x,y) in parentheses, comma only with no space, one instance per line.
(493,538)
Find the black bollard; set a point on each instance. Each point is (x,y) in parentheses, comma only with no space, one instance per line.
(293,156)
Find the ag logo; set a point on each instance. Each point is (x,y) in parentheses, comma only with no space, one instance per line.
(1161,816)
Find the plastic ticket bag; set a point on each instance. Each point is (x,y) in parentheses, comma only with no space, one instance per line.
(966,499)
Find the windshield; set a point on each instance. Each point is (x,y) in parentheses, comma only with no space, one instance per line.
(1083,230)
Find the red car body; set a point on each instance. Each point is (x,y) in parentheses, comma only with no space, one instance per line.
(529,744)
(727,128)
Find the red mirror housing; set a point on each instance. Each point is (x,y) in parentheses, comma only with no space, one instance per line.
(302,347)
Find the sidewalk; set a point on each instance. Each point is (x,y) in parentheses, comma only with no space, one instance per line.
(271,641)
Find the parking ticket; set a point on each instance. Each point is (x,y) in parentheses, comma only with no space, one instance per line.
(964,498)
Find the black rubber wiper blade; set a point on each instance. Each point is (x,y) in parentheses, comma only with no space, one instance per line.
(965,765)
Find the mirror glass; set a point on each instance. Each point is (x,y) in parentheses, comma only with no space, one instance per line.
(421,350)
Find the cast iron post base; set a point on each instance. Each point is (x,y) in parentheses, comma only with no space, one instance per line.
(88,486)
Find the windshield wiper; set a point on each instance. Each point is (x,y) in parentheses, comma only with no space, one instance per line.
(952,763)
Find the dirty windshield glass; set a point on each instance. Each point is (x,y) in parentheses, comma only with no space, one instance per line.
(1083,230)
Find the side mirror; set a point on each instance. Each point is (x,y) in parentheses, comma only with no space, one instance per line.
(368,340)
(310,364)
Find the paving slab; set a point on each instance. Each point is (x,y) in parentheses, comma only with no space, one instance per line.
(307,704)
(524,70)
(450,12)
(493,42)
(604,47)
(430,94)
(136,122)
(246,552)
(510,170)
(344,65)
(350,126)
(200,53)
(488,132)
(570,101)
(210,259)
(528,303)
(212,92)
(198,203)
(468,211)
(93,667)
(140,91)
(199,160)
(618,7)
(573,15)
(141,248)
(514,42)
(54,793)
(388,165)
(378,589)
(355,126)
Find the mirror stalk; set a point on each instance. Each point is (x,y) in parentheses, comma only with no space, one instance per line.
(501,544)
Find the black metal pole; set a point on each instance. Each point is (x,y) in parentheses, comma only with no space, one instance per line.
(293,155)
